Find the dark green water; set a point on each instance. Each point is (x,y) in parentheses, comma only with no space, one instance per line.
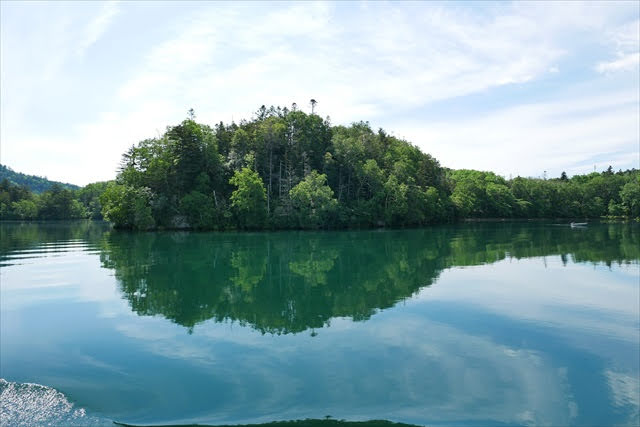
(474,324)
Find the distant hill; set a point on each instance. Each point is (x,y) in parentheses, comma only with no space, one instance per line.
(37,184)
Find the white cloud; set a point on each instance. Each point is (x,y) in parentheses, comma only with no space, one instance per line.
(625,42)
(556,135)
(390,57)
(628,62)
(626,37)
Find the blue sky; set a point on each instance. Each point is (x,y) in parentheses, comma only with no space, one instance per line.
(516,88)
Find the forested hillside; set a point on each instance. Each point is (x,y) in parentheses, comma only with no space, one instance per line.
(284,169)
(36,184)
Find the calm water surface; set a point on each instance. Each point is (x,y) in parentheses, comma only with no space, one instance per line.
(475,324)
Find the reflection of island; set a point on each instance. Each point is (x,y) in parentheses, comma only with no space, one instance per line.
(279,283)
(290,282)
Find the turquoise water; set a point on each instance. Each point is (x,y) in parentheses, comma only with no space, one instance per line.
(482,324)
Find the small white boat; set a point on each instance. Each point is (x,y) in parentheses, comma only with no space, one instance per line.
(578,224)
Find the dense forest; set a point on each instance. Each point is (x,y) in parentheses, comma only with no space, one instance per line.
(19,202)
(288,169)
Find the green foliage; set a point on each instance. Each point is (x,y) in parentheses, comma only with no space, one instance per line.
(249,199)
(199,210)
(59,203)
(127,206)
(483,194)
(89,196)
(25,209)
(170,168)
(395,201)
(615,209)
(630,196)
(313,201)
(309,174)
(18,202)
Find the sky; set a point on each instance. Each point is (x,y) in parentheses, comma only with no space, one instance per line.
(522,88)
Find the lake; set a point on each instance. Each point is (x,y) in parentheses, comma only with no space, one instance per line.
(493,323)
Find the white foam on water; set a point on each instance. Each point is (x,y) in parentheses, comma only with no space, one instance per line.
(26,404)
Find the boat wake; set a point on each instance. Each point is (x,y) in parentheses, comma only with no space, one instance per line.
(26,404)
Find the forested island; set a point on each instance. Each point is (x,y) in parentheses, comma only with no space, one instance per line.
(286,169)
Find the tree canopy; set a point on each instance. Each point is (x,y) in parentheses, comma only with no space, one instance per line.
(283,169)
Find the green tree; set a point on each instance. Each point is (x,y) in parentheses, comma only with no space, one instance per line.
(25,209)
(199,210)
(89,196)
(249,199)
(630,195)
(59,203)
(127,207)
(615,209)
(395,201)
(500,199)
(313,201)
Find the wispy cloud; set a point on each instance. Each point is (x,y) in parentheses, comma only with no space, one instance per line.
(625,42)
(96,27)
(563,134)
(387,57)
(626,63)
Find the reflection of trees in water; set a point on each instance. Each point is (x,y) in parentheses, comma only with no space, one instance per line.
(315,265)
(290,282)
(279,283)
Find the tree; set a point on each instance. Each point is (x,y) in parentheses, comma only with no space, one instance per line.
(630,195)
(25,209)
(313,201)
(249,199)
(199,210)
(615,209)
(240,147)
(395,204)
(89,196)
(313,103)
(59,203)
(501,200)
(127,207)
